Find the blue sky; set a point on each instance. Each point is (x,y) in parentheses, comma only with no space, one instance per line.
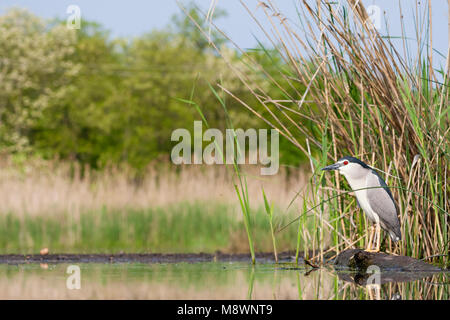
(134,17)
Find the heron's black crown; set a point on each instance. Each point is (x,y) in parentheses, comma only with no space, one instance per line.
(355,160)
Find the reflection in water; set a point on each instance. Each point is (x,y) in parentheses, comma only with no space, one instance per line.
(251,282)
(373,290)
(399,285)
(211,281)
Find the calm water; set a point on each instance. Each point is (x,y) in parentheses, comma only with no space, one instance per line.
(207,281)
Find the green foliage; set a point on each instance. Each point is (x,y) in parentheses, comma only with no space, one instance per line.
(82,96)
(123,108)
(269,211)
(36,68)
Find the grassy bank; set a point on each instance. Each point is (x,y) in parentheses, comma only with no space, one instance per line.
(184,227)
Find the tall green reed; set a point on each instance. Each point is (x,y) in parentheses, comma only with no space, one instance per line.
(346,89)
(269,211)
(241,186)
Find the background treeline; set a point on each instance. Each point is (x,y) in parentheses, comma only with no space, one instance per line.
(83,96)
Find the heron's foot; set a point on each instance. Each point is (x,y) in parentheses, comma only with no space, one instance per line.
(391,253)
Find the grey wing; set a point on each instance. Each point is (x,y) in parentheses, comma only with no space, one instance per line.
(382,202)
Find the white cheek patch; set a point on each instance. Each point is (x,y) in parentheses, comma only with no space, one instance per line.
(350,169)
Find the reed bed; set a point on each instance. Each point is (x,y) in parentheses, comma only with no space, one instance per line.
(346,89)
(40,188)
(67,208)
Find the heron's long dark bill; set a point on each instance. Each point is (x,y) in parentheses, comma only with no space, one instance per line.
(332,167)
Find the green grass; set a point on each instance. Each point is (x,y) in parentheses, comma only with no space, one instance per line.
(182,228)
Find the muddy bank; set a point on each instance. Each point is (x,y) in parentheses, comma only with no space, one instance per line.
(141,258)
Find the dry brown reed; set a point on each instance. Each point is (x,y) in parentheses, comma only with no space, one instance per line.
(52,188)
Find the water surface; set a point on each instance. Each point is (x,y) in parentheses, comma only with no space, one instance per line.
(206,280)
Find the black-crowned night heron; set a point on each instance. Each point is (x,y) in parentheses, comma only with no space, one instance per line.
(377,203)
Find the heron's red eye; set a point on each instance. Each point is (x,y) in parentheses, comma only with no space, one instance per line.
(345,162)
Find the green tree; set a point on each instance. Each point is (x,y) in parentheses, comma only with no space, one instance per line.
(36,70)
(82,96)
(79,126)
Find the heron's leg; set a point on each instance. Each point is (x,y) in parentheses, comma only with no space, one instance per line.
(369,242)
(372,237)
(378,235)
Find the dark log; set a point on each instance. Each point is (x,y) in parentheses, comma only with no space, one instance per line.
(392,268)
(360,260)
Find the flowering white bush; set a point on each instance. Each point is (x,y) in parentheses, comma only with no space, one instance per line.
(35,72)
